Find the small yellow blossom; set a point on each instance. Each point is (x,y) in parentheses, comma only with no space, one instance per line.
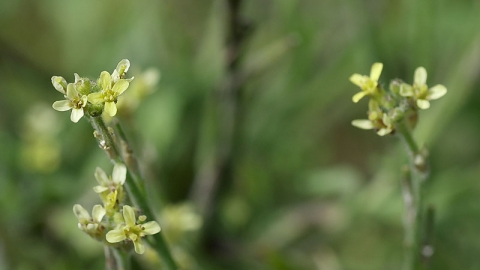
(377,120)
(90,224)
(132,230)
(74,100)
(60,84)
(420,91)
(111,188)
(110,92)
(367,84)
(121,70)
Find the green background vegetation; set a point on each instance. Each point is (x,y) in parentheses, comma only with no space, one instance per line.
(306,190)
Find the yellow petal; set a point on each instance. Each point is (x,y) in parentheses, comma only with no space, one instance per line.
(115,236)
(62,105)
(358,96)
(436,92)
(420,77)
(363,124)
(59,83)
(423,104)
(101,176)
(76,115)
(71,91)
(119,173)
(110,108)
(151,227)
(81,213)
(120,87)
(99,189)
(98,212)
(357,79)
(95,98)
(384,131)
(129,215)
(105,80)
(139,247)
(376,71)
(406,90)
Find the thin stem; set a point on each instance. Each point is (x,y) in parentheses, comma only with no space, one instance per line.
(107,143)
(122,258)
(414,176)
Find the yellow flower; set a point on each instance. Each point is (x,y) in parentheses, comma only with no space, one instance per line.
(420,91)
(132,230)
(74,100)
(377,120)
(111,188)
(90,224)
(121,70)
(367,84)
(110,92)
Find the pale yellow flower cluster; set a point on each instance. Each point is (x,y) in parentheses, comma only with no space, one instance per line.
(83,92)
(115,222)
(388,107)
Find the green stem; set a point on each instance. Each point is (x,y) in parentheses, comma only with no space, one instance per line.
(107,142)
(122,258)
(412,194)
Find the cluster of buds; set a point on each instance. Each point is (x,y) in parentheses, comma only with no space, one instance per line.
(114,222)
(92,97)
(399,102)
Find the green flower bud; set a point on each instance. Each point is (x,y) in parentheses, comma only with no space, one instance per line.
(83,85)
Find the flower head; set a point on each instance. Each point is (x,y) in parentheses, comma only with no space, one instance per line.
(133,230)
(90,224)
(74,100)
(109,93)
(377,120)
(111,188)
(420,91)
(366,83)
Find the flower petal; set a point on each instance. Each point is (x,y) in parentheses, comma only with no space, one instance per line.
(81,213)
(420,77)
(59,83)
(105,80)
(95,98)
(363,124)
(357,79)
(406,90)
(376,71)
(98,212)
(123,66)
(110,108)
(139,247)
(77,77)
(129,215)
(151,227)
(115,236)
(101,177)
(99,189)
(71,91)
(436,92)
(358,96)
(384,131)
(76,115)
(119,173)
(423,104)
(62,105)
(120,87)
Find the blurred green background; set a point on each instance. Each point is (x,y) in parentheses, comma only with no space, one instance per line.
(300,187)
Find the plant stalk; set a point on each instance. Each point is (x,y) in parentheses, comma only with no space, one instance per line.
(413,177)
(133,185)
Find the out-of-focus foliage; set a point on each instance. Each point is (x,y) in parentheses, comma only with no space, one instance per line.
(309,190)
